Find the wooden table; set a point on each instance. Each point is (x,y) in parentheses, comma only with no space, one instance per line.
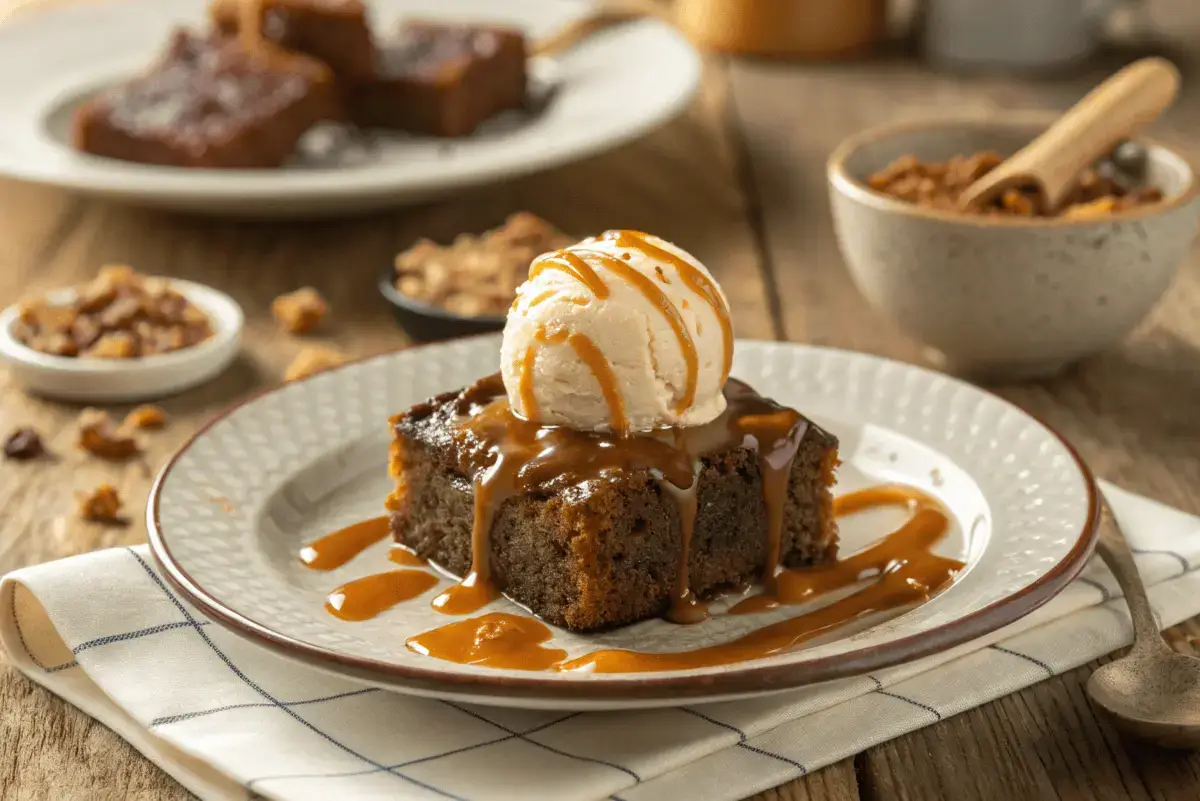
(739,180)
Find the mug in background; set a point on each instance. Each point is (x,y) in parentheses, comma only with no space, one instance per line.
(1013,34)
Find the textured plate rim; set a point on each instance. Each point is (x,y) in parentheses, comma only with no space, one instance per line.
(596,688)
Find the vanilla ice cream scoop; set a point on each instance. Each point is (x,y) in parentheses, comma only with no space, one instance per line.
(623,332)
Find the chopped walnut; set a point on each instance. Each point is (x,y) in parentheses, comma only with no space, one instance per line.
(313,360)
(301,311)
(938,185)
(23,445)
(117,315)
(149,417)
(117,345)
(477,275)
(99,437)
(101,505)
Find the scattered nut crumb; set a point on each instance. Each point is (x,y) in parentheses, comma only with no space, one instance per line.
(23,445)
(477,275)
(101,505)
(99,437)
(313,360)
(118,315)
(148,417)
(938,185)
(301,311)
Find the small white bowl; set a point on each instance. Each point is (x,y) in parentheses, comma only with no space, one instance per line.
(91,380)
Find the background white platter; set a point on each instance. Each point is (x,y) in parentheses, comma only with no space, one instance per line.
(612,88)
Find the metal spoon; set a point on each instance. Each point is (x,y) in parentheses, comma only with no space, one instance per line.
(1110,113)
(1152,693)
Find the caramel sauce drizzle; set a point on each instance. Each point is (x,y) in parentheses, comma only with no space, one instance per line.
(907,573)
(509,455)
(574,262)
(496,640)
(366,597)
(657,298)
(250,24)
(692,278)
(925,528)
(525,383)
(574,266)
(686,608)
(402,556)
(336,549)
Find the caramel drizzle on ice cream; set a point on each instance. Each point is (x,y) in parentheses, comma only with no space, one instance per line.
(591,355)
(692,278)
(580,262)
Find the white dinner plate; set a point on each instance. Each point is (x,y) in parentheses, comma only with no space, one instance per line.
(229,514)
(612,88)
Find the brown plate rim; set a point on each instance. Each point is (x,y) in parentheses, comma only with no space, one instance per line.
(745,681)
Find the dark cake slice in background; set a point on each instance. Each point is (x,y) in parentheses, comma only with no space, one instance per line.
(442,79)
(334,31)
(209,103)
(607,552)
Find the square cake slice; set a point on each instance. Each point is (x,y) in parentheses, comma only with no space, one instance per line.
(334,31)
(442,79)
(594,552)
(209,103)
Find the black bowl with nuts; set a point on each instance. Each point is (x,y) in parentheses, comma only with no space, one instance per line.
(466,287)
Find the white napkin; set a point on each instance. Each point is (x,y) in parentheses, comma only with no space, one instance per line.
(103,631)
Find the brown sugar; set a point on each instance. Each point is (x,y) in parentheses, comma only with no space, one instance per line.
(477,275)
(101,438)
(313,360)
(23,445)
(118,315)
(301,311)
(939,184)
(146,417)
(101,505)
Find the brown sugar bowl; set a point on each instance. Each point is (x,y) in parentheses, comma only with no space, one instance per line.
(441,291)
(118,378)
(1006,296)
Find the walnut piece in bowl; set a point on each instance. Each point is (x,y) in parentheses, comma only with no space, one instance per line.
(466,287)
(121,337)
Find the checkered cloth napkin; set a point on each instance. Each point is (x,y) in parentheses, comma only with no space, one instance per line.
(223,717)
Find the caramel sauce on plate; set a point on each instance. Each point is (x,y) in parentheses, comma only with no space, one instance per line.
(402,556)
(336,549)
(905,570)
(497,640)
(901,565)
(364,598)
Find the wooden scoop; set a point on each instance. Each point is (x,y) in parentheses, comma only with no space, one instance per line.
(606,15)
(1110,113)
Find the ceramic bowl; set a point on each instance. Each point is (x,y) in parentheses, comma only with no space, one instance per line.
(91,380)
(1005,297)
(427,323)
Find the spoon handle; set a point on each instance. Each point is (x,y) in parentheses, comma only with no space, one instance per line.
(1115,552)
(1110,113)
(605,16)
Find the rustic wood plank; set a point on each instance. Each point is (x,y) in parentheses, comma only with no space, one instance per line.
(48,239)
(1130,411)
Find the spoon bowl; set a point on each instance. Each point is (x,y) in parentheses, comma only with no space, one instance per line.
(1153,695)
